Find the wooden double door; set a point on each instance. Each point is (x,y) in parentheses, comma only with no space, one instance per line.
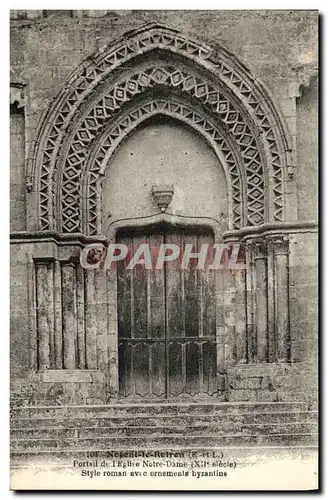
(166,320)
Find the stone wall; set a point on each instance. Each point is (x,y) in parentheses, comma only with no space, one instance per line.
(307,152)
(17,171)
(280,49)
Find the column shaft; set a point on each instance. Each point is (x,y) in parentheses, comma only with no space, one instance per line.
(58,316)
(32,313)
(91,321)
(261,303)
(43,316)
(69,315)
(80,317)
(271,305)
(250,304)
(282,302)
(51,314)
(240,316)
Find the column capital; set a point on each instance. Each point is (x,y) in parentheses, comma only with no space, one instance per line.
(67,263)
(280,244)
(258,246)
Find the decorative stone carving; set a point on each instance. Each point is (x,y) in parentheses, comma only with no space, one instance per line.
(304,74)
(290,164)
(253,100)
(110,103)
(260,247)
(162,196)
(198,121)
(17,96)
(280,244)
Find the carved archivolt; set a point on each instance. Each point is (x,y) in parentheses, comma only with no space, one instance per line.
(238,115)
(112,138)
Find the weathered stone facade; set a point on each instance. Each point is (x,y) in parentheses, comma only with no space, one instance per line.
(238,93)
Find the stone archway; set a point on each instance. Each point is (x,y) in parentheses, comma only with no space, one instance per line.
(163,62)
(109,142)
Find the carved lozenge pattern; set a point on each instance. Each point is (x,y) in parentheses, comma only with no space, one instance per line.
(110,104)
(107,148)
(89,74)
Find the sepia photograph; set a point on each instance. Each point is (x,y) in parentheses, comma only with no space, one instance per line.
(164,250)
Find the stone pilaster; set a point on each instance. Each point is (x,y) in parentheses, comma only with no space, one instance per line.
(32,314)
(80,316)
(51,313)
(43,316)
(281,250)
(250,303)
(69,315)
(91,321)
(261,300)
(58,316)
(271,304)
(240,316)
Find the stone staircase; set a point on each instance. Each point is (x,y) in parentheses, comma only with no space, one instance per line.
(57,433)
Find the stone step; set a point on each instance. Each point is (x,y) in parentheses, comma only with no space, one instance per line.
(144,440)
(160,431)
(164,420)
(194,430)
(119,409)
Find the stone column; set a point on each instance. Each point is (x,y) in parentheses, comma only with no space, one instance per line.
(250,303)
(80,316)
(51,314)
(220,334)
(43,316)
(32,313)
(229,304)
(281,249)
(240,313)
(271,305)
(69,315)
(58,316)
(91,321)
(261,301)
(102,319)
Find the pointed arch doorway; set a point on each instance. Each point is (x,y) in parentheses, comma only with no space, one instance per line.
(166,319)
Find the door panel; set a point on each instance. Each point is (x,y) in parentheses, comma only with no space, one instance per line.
(140,294)
(158,369)
(209,367)
(125,368)
(175,366)
(156,291)
(124,288)
(141,368)
(207,293)
(191,285)
(174,292)
(166,322)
